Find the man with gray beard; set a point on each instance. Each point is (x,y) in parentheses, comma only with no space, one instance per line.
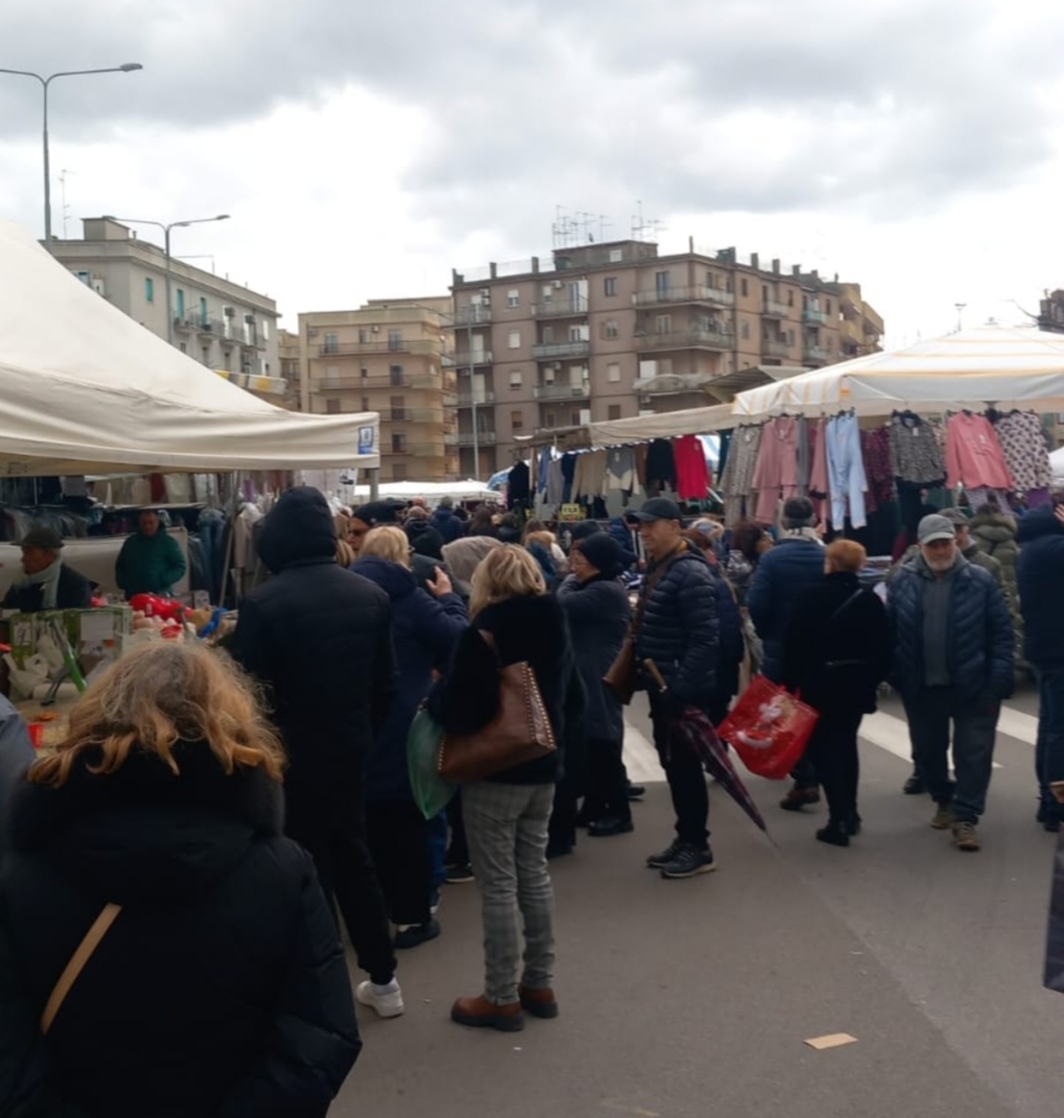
(953,663)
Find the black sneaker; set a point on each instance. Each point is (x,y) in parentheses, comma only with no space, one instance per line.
(610,825)
(914,786)
(459,875)
(636,791)
(416,935)
(689,861)
(657,861)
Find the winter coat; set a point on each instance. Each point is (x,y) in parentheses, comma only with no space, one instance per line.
(599,614)
(620,532)
(319,638)
(1040,577)
(680,629)
(425,631)
(979,640)
(838,647)
(16,756)
(795,564)
(220,990)
(528,628)
(973,553)
(154,564)
(447,524)
(425,540)
(732,645)
(74,591)
(995,533)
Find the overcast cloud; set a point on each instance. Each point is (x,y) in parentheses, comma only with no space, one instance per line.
(365,149)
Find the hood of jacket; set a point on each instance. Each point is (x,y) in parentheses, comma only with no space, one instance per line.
(463,557)
(997,527)
(536,615)
(1035,525)
(395,580)
(300,530)
(143,833)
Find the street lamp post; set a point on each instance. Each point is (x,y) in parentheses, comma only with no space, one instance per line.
(166,251)
(125,68)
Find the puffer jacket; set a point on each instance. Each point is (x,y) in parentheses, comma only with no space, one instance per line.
(680,629)
(1040,576)
(447,524)
(979,638)
(995,533)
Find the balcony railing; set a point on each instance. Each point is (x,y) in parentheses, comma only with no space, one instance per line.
(563,391)
(776,310)
(561,350)
(375,383)
(687,339)
(699,294)
(424,450)
(468,360)
(449,399)
(465,399)
(814,318)
(472,316)
(814,353)
(562,308)
(380,344)
(774,348)
(484,438)
(415,415)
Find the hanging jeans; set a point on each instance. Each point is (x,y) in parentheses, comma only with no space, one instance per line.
(846,474)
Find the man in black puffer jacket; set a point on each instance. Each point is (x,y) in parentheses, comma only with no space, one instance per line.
(319,638)
(953,662)
(678,632)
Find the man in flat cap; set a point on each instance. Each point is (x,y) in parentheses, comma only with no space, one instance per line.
(48,583)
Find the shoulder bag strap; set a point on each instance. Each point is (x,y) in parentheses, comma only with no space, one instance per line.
(648,586)
(845,605)
(77,963)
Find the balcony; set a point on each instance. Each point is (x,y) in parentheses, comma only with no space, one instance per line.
(465,399)
(424,347)
(775,310)
(562,308)
(561,350)
(484,438)
(469,360)
(449,399)
(423,450)
(476,315)
(674,295)
(814,353)
(182,323)
(814,317)
(415,415)
(376,383)
(206,326)
(687,339)
(563,391)
(775,348)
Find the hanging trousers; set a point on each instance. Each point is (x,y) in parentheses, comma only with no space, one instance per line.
(846,472)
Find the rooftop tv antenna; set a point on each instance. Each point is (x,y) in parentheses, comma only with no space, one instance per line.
(645,228)
(62,193)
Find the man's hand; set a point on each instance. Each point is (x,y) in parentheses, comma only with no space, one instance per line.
(1058,512)
(440,585)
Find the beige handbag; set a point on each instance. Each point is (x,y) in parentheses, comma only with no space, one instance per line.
(77,963)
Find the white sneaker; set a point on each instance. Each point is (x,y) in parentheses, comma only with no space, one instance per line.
(386,1000)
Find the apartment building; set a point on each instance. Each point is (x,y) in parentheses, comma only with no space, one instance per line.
(608,331)
(224,326)
(288,355)
(392,356)
(860,324)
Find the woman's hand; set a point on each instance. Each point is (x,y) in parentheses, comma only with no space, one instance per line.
(440,585)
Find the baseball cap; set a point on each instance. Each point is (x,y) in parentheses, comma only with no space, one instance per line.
(659,508)
(47,539)
(936,527)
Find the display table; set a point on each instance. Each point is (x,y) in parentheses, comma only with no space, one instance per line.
(53,720)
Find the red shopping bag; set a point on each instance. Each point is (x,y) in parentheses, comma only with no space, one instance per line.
(769,728)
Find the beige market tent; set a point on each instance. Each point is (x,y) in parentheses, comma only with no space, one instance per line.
(1005,366)
(86,390)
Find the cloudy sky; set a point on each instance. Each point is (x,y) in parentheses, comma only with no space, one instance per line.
(916,146)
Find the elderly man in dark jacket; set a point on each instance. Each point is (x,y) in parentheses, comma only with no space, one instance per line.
(953,662)
(678,643)
(319,638)
(49,583)
(1040,577)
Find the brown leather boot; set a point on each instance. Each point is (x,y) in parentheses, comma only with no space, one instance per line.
(479,1013)
(540,1003)
(797,798)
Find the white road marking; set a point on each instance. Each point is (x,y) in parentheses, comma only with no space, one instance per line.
(1016,724)
(641,758)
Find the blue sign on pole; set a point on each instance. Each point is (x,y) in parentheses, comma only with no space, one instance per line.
(365,440)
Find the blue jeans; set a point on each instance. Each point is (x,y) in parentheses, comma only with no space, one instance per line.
(1049,748)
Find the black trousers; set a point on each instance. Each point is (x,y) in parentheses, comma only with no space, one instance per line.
(832,752)
(687,782)
(399,845)
(607,783)
(457,848)
(337,842)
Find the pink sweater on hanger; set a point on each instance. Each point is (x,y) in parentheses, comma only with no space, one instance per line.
(973,454)
(776,475)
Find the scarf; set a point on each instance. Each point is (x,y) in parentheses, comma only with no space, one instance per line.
(802,534)
(48,580)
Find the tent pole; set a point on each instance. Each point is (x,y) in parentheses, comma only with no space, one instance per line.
(374,483)
(230,538)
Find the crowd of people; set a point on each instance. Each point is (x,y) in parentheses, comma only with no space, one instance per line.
(215,820)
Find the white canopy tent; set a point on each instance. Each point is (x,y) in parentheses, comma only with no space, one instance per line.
(86,390)
(433,492)
(1004,366)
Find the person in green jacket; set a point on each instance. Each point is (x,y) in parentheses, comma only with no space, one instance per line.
(150,561)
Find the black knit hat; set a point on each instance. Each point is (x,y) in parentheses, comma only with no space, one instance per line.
(583,529)
(378,512)
(603,552)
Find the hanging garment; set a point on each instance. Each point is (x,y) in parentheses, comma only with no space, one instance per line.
(915,453)
(776,472)
(846,472)
(819,485)
(518,485)
(738,478)
(982,495)
(1039,498)
(804,459)
(546,459)
(620,469)
(1023,445)
(692,477)
(875,450)
(722,459)
(973,454)
(555,484)
(568,471)
(589,481)
(661,466)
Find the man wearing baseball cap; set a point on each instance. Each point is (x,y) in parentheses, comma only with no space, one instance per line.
(678,647)
(953,665)
(48,583)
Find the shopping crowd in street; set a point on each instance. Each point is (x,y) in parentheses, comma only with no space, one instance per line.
(218,822)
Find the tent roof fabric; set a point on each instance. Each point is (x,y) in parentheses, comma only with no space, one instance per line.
(1006,366)
(86,389)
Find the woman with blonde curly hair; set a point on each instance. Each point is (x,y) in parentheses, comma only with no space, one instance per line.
(220,985)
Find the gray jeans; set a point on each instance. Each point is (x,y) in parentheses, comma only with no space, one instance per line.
(506,827)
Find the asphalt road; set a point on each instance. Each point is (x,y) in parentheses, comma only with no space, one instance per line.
(682,999)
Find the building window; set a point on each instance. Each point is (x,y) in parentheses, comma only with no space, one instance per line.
(514,339)
(399,471)
(395,374)
(790,298)
(661,283)
(576,334)
(331,344)
(574,418)
(183,347)
(613,411)
(398,406)
(228,360)
(180,303)
(609,329)
(203,320)
(206,352)
(548,335)
(743,287)
(149,289)
(398,442)
(513,297)
(515,379)
(549,420)
(663,324)
(84,277)
(745,330)
(609,285)
(517,420)
(332,407)
(363,372)
(395,340)
(616,255)
(265,321)
(613,373)
(365,403)
(364,336)
(827,307)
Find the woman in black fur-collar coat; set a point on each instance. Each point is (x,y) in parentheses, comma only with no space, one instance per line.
(220,989)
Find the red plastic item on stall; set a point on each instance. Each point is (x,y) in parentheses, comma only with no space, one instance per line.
(36,732)
(151,605)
